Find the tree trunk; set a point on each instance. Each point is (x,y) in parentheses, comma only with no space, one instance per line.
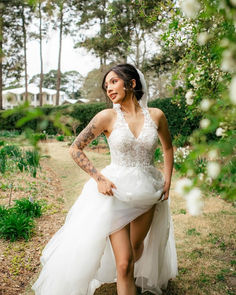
(59,56)
(137,43)
(1,56)
(25,54)
(41,57)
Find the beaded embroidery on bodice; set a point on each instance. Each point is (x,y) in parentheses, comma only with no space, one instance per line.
(125,148)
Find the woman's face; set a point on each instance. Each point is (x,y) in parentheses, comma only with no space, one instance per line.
(114,86)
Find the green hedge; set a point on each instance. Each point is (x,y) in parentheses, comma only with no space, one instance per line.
(176,116)
(179,123)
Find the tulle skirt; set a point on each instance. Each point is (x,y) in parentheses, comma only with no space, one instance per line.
(79,257)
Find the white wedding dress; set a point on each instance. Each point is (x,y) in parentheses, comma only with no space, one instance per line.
(79,257)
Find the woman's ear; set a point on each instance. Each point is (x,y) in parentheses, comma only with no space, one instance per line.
(133,83)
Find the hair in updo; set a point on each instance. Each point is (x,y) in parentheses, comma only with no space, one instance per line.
(127,73)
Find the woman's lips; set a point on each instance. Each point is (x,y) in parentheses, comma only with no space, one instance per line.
(113,96)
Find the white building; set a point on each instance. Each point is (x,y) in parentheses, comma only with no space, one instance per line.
(16,96)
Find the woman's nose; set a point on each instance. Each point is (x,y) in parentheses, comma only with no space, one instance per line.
(109,88)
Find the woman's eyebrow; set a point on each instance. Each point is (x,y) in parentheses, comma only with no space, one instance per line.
(111,79)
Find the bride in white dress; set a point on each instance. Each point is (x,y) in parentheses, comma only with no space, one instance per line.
(120,228)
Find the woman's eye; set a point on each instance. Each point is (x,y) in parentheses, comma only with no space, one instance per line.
(114,81)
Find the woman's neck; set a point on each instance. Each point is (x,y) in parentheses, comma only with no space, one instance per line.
(130,105)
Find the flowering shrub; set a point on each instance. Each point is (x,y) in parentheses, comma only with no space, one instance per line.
(180,156)
(208,69)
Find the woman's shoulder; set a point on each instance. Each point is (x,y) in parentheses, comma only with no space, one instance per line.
(106,116)
(156,114)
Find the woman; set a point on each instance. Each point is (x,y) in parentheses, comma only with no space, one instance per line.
(120,226)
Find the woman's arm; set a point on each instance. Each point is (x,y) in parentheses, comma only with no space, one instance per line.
(94,128)
(165,139)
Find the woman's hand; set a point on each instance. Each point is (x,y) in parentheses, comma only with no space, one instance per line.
(105,186)
(165,193)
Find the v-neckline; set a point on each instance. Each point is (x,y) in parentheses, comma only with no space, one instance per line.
(141,130)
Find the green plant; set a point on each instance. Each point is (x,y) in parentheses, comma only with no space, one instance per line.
(3,211)
(15,226)
(180,140)
(94,142)
(158,157)
(60,138)
(29,207)
(200,165)
(192,232)
(180,156)
(10,134)
(12,157)
(40,136)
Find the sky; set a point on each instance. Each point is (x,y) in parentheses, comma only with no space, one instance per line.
(72,59)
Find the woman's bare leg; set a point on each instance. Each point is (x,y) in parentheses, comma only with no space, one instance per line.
(122,249)
(138,231)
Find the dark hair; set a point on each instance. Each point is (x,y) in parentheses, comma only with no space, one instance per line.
(127,73)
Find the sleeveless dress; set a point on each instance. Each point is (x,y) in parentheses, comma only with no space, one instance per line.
(79,257)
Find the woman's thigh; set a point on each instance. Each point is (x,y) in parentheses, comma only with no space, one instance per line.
(140,227)
(121,245)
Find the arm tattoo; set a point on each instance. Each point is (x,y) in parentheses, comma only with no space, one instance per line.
(82,140)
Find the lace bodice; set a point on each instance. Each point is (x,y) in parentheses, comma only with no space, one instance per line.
(125,148)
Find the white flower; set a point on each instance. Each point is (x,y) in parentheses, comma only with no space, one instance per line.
(205,104)
(213,169)
(159,17)
(232,90)
(233,2)
(209,180)
(189,96)
(202,38)
(204,123)
(225,42)
(181,186)
(201,176)
(194,202)
(219,131)
(229,62)
(213,155)
(190,7)
(190,172)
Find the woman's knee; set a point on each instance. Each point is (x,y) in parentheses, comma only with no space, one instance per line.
(137,246)
(125,267)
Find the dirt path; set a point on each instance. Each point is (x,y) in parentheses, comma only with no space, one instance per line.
(72,177)
(205,244)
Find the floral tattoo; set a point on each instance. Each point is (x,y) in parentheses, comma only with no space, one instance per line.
(82,140)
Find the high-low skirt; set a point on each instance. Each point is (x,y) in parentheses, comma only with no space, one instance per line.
(79,257)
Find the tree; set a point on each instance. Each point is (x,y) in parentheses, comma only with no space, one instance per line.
(92,89)
(63,10)
(11,61)
(123,29)
(25,19)
(71,82)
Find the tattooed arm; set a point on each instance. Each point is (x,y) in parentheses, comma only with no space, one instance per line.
(96,126)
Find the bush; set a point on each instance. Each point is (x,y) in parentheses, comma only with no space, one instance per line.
(180,140)
(17,222)
(158,155)
(15,226)
(11,157)
(60,138)
(176,115)
(10,134)
(28,207)
(40,136)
